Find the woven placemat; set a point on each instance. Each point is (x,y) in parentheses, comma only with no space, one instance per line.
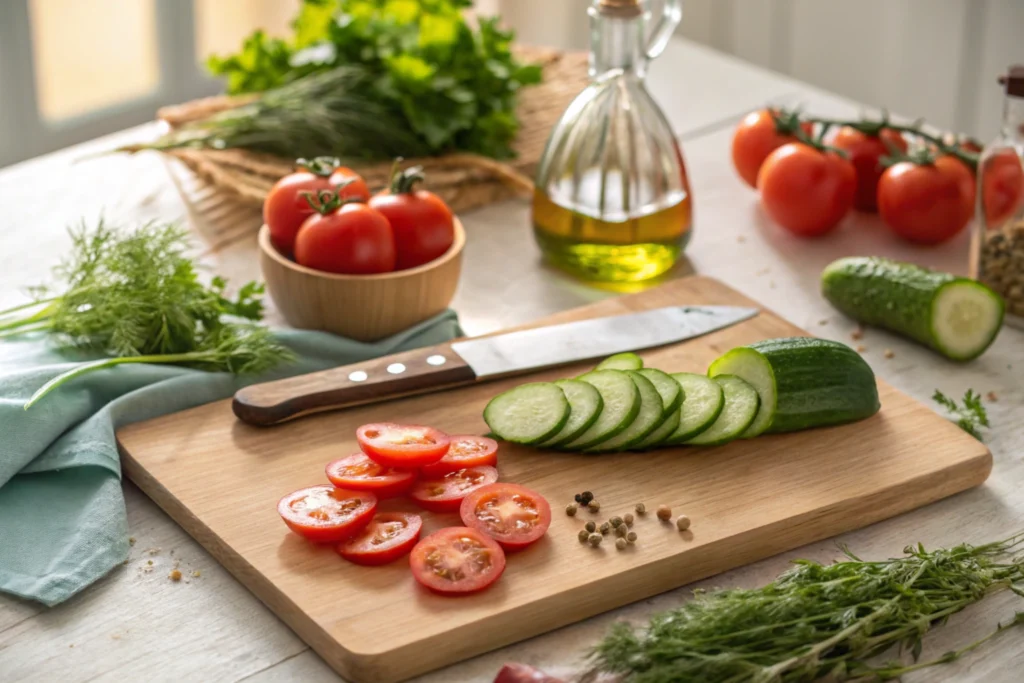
(234,182)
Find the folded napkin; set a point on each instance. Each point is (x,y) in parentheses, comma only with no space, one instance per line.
(62,514)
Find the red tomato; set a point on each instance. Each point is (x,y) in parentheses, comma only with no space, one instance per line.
(457,560)
(423,224)
(358,473)
(927,203)
(402,446)
(512,515)
(286,208)
(352,240)
(806,191)
(1002,187)
(521,673)
(864,152)
(755,138)
(325,514)
(389,536)
(445,493)
(465,451)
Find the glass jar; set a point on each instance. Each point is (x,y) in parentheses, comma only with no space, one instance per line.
(998,244)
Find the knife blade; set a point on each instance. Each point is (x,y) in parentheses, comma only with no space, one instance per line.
(474,360)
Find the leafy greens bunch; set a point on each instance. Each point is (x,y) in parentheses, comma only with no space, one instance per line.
(453,85)
(137,297)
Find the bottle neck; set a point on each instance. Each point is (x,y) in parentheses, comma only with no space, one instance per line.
(616,45)
(1013,117)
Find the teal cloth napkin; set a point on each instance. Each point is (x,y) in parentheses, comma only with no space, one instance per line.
(62,515)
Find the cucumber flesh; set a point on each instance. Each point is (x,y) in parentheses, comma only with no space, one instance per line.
(621,361)
(671,392)
(701,407)
(621,404)
(659,435)
(585,405)
(755,369)
(966,317)
(528,414)
(650,415)
(740,409)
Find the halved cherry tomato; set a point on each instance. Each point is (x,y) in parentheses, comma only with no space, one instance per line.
(806,191)
(445,493)
(755,138)
(389,536)
(522,673)
(865,152)
(423,224)
(457,560)
(358,473)
(326,514)
(465,451)
(512,515)
(402,446)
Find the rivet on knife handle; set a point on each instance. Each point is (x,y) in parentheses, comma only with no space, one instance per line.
(379,379)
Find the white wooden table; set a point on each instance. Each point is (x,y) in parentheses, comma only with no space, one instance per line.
(138,625)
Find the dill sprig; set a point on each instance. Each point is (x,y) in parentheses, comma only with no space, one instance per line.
(970,416)
(815,620)
(136,297)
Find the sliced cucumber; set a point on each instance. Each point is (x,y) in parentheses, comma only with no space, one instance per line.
(701,407)
(585,405)
(621,404)
(659,435)
(650,415)
(671,392)
(803,383)
(528,414)
(621,361)
(740,409)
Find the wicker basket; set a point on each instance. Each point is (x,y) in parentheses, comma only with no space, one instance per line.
(224,189)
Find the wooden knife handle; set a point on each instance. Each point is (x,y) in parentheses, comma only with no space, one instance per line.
(379,379)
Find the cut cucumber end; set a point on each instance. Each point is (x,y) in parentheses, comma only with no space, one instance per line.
(753,368)
(528,414)
(621,361)
(738,413)
(966,317)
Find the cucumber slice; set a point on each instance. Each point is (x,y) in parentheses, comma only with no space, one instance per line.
(621,361)
(659,435)
(671,392)
(621,405)
(741,404)
(701,407)
(528,414)
(650,415)
(585,405)
(803,383)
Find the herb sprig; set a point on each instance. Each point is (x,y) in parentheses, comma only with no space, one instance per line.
(970,416)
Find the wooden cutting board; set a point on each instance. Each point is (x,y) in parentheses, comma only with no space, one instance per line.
(221,480)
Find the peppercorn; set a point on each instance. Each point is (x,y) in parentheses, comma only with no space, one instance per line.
(583,535)
(641,509)
(682,522)
(616,521)
(631,537)
(590,527)
(605,528)
(595,539)
(620,544)
(578,498)
(570,509)
(628,519)
(593,506)
(664,513)
(621,530)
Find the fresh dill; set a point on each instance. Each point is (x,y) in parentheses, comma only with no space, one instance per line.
(970,416)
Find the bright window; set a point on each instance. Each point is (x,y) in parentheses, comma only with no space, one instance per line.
(222,25)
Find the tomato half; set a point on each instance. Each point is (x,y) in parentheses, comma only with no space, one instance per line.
(285,207)
(464,451)
(358,473)
(1002,187)
(755,138)
(402,446)
(445,493)
(388,536)
(927,203)
(806,191)
(326,514)
(522,673)
(352,240)
(865,153)
(512,515)
(423,224)
(457,560)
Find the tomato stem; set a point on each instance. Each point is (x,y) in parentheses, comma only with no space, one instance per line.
(320,166)
(326,201)
(404,182)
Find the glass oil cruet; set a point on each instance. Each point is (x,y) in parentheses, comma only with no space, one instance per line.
(612,202)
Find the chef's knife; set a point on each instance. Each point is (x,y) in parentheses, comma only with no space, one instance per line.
(474,360)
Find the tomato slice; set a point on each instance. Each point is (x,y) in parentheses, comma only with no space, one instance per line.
(512,515)
(465,451)
(402,446)
(326,514)
(389,536)
(445,493)
(457,560)
(358,473)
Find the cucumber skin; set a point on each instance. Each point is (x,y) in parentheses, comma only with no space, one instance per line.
(893,295)
(818,382)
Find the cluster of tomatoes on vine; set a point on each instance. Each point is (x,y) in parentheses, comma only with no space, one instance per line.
(811,172)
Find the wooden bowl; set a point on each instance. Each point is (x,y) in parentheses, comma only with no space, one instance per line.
(361,307)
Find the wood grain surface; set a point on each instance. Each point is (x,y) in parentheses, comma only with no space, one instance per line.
(221,479)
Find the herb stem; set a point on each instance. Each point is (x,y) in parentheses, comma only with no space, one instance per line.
(30,304)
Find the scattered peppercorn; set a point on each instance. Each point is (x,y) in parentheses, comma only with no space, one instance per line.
(888,353)
(631,537)
(578,498)
(175,575)
(605,528)
(570,509)
(593,506)
(861,348)
(991,396)
(591,527)
(628,519)
(621,530)
(620,544)
(583,535)
(616,521)
(595,539)
(682,522)
(664,513)
(857,334)
(641,509)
